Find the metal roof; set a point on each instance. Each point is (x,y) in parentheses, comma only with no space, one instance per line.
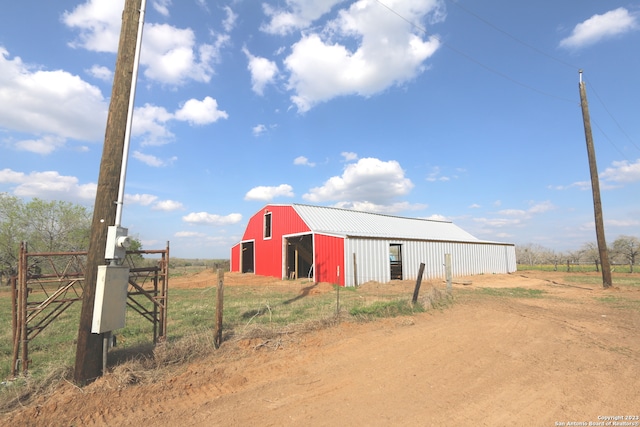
(345,222)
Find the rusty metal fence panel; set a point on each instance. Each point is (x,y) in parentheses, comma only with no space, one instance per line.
(49,283)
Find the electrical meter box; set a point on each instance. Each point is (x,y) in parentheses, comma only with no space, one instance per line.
(110,304)
(117,243)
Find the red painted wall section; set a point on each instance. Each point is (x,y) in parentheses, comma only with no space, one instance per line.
(268,252)
(329,262)
(235,257)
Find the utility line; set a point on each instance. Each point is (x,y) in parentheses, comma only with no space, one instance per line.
(560,61)
(613,118)
(511,36)
(505,76)
(472,59)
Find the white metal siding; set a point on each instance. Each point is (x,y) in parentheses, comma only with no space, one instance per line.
(372,258)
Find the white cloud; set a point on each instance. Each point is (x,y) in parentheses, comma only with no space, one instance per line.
(369,180)
(202,4)
(167,206)
(581,185)
(436,175)
(437,217)
(44,145)
(263,72)
(99,23)
(541,207)
(511,218)
(150,122)
(269,193)
(388,209)
(230,21)
(622,171)
(162,6)
(53,103)
(300,14)
(619,172)
(189,234)
(259,130)
(389,51)
(201,112)
(151,160)
(600,27)
(349,156)
(498,222)
(621,223)
(48,185)
(204,218)
(169,55)
(303,161)
(100,72)
(139,199)
(535,208)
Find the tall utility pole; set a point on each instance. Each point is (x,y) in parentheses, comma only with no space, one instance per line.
(595,187)
(89,348)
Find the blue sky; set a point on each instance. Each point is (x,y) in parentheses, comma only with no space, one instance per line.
(460,110)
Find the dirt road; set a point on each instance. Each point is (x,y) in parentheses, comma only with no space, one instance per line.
(572,355)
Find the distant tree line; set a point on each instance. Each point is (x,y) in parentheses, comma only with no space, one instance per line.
(623,251)
(46,226)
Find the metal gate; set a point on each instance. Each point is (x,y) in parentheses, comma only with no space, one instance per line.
(48,283)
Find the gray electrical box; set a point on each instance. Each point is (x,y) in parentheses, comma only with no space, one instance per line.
(110,304)
(117,243)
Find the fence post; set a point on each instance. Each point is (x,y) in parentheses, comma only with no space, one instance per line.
(447,271)
(416,290)
(217,335)
(355,271)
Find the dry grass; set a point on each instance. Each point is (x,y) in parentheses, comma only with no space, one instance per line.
(26,389)
(144,364)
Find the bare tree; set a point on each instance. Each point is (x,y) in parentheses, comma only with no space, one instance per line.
(533,254)
(589,252)
(627,248)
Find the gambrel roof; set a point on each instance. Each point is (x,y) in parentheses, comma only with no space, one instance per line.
(350,223)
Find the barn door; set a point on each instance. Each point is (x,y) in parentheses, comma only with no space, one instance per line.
(395,261)
(247,258)
(299,256)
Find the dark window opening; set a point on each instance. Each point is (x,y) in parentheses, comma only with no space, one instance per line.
(395,261)
(267,225)
(247,257)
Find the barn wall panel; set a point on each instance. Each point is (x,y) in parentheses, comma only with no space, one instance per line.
(235,258)
(329,259)
(372,257)
(269,253)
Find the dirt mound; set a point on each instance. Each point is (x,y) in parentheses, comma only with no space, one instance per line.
(569,353)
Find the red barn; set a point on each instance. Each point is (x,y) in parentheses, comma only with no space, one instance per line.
(348,247)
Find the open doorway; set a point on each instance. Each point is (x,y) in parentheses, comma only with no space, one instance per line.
(247,258)
(299,256)
(395,261)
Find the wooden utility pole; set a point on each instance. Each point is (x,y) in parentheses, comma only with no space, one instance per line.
(89,348)
(595,187)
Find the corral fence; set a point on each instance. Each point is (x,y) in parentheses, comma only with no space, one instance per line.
(574,266)
(48,283)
